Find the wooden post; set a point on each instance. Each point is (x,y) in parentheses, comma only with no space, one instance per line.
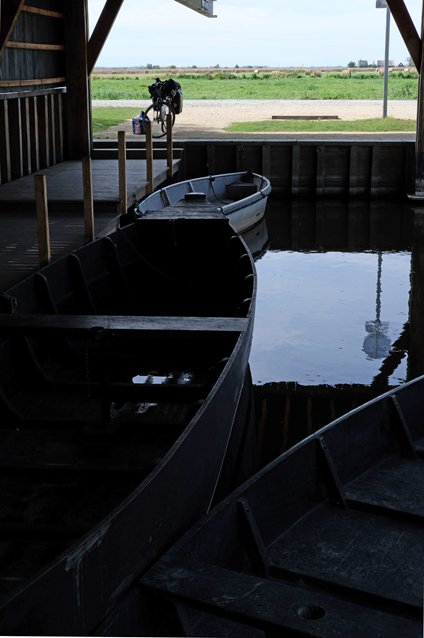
(416,300)
(78,102)
(122,172)
(419,144)
(42,214)
(169,151)
(88,198)
(149,156)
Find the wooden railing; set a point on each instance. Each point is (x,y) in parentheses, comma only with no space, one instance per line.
(33,133)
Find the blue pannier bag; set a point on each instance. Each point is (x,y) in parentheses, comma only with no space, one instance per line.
(138,123)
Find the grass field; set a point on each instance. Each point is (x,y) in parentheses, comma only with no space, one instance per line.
(380,125)
(104,118)
(294,85)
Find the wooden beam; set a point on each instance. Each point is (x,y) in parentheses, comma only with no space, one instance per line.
(407,30)
(78,115)
(188,327)
(122,172)
(149,157)
(12,44)
(87,180)
(42,12)
(42,214)
(419,140)
(101,31)
(33,82)
(9,12)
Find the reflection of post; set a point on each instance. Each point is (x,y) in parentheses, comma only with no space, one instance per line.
(377,343)
(416,302)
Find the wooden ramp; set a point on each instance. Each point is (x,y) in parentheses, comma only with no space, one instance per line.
(65,185)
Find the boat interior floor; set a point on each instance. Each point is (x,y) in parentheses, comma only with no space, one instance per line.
(321,543)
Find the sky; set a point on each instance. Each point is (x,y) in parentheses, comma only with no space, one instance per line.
(275,33)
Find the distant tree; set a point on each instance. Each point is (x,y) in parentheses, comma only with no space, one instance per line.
(237,66)
(351,64)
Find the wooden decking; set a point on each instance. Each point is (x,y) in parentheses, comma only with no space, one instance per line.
(18,232)
(65,186)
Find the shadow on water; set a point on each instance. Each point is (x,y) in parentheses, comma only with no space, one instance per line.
(339,312)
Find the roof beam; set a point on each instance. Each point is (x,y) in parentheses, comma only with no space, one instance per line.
(9,12)
(204,7)
(407,30)
(101,31)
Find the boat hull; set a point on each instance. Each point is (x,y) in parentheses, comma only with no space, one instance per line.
(243,202)
(324,541)
(75,592)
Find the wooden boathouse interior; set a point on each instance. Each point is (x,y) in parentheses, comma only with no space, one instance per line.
(45,134)
(49,160)
(46,58)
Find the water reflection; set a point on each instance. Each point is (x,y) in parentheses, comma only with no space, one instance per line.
(377,343)
(331,325)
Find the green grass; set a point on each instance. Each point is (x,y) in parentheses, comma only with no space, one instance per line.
(263,86)
(380,125)
(103,118)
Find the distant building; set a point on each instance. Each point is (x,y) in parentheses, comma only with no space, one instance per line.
(380,63)
(363,64)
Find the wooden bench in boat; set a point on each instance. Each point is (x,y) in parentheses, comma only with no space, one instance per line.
(193,327)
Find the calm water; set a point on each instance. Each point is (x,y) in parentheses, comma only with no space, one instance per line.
(332,311)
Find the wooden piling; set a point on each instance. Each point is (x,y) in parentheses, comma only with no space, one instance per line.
(169,144)
(149,157)
(87,179)
(122,171)
(42,214)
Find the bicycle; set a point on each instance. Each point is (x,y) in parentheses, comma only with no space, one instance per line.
(166,100)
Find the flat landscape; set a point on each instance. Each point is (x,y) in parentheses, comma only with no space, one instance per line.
(237,102)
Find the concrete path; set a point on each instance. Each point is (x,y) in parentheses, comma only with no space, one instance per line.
(207,118)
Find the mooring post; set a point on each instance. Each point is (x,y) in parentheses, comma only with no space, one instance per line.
(122,171)
(419,143)
(87,179)
(149,157)
(169,151)
(42,214)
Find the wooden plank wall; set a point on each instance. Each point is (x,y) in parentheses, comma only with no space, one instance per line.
(32,93)
(311,168)
(34,54)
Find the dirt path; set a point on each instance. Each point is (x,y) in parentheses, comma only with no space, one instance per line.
(202,119)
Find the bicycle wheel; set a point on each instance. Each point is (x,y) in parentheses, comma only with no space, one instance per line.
(158,114)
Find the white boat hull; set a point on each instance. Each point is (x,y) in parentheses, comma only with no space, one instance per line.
(219,193)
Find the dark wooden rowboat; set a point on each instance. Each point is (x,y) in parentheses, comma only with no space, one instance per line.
(325,541)
(121,375)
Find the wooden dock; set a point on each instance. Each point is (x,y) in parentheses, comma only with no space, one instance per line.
(65,185)
(18,231)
